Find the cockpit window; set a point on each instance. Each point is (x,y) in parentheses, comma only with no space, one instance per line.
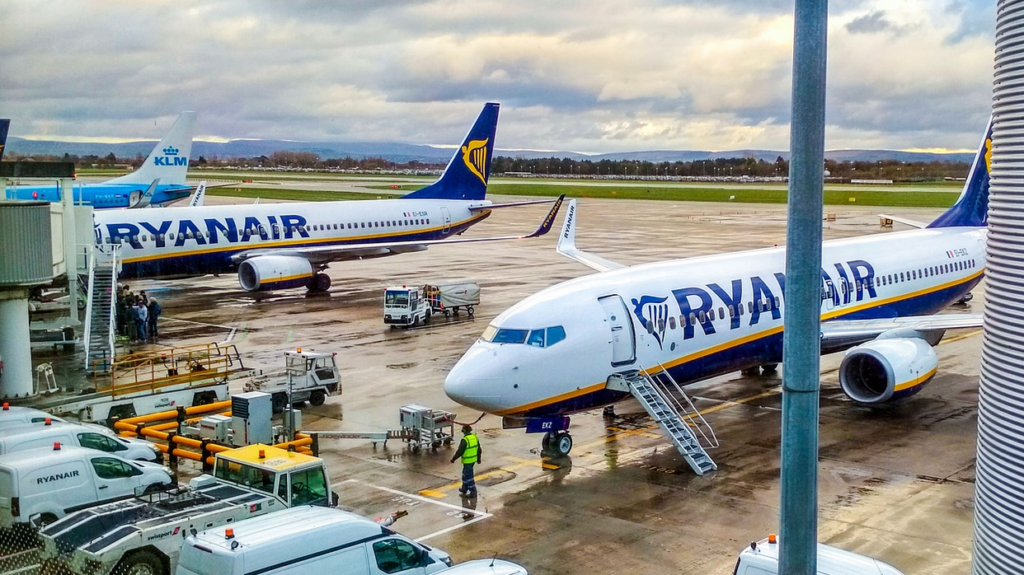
(542,337)
(510,336)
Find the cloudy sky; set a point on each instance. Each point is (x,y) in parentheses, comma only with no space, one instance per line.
(582,75)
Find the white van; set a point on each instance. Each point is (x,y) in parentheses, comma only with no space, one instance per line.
(14,415)
(42,487)
(307,540)
(42,436)
(762,558)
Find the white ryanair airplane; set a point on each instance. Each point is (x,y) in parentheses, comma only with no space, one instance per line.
(288,245)
(555,352)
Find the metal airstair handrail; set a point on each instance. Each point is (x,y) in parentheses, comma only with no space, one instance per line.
(693,414)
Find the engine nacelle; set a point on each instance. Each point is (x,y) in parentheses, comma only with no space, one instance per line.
(884,370)
(263,273)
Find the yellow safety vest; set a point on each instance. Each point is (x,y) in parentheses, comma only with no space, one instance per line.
(472,452)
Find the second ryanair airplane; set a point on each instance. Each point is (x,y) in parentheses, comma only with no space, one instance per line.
(288,245)
(595,340)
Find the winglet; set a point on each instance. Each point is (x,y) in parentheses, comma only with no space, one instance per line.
(146,197)
(567,241)
(567,245)
(198,196)
(549,220)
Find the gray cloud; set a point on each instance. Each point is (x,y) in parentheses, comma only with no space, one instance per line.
(597,76)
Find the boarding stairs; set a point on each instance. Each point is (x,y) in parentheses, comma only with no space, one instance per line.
(100,321)
(672,410)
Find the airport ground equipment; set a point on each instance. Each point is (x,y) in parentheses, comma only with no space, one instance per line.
(426,428)
(448,298)
(664,399)
(151,381)
(411,305)
(308,376)
(100,320)
(406,306)
(420,428)
(145,534)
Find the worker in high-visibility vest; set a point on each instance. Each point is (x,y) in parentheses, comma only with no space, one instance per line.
(470,452)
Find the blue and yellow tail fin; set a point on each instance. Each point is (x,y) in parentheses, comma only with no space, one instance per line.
(971,208)
(466,176)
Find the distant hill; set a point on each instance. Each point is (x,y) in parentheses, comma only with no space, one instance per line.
(403,153)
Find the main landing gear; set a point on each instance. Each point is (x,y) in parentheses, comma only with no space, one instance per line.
(558,443)
(319,283)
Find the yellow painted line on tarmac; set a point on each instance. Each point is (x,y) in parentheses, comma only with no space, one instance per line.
(959,337)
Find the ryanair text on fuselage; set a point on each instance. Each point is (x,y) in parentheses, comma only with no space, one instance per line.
(209,231)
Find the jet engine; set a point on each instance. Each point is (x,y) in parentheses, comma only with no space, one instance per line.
(263,273)
(885,370)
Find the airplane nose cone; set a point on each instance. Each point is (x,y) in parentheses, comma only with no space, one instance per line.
(475,380)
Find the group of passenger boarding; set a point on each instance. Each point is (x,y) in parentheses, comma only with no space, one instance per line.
(137,315)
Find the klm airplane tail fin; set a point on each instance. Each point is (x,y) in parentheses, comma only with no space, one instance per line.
(971,208)
(4,125)
(466,176)
(168,161)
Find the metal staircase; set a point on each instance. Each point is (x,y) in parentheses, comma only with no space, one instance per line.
(673,411)
(100,321)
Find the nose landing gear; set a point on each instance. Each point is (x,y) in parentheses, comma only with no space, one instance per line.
(558,443)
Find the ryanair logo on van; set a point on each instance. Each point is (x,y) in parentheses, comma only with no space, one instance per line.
(474,155)
(56,477)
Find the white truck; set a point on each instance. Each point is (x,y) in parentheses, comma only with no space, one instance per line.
(762,558)
(144,535)
(312,376)
(410,305)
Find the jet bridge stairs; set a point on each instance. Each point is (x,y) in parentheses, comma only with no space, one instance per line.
(670,407)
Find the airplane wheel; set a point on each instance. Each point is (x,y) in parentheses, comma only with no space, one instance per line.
(557,443)
(322,282)
(769,368)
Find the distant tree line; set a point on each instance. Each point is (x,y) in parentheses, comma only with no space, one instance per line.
(733,168)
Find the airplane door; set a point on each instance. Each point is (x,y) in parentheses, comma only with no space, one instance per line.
(623,338)
(447,217)
(828,294)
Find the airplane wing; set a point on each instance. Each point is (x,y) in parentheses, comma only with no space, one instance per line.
(905,221)
(840,334)
(567,244)
(146,197)
(489,206)
(325,254)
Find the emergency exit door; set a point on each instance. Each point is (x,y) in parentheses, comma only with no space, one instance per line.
(621,326)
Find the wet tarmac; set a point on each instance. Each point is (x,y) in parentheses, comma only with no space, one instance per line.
(896,483)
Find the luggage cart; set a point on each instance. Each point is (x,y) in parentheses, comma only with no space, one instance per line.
(426,428)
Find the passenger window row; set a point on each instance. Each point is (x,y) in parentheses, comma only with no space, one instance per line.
(931,271)
(730,311)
